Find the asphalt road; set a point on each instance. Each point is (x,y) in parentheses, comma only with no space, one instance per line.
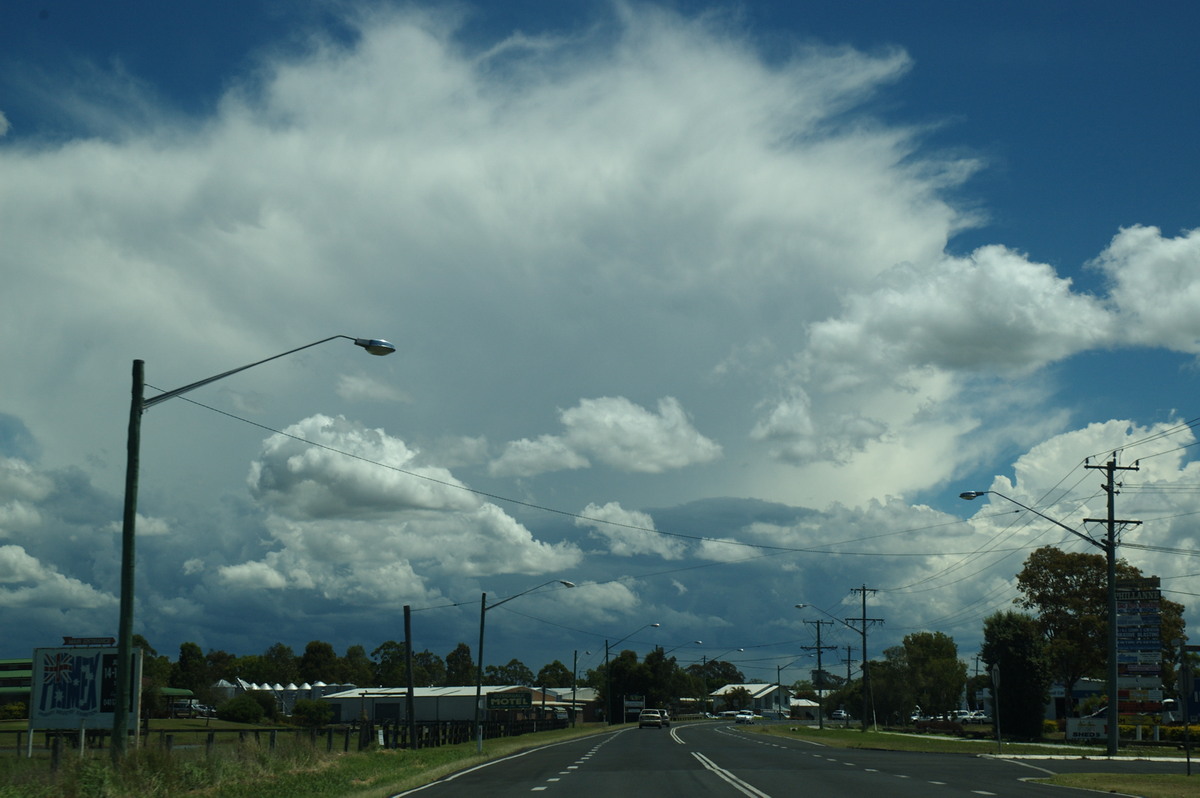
(706,760)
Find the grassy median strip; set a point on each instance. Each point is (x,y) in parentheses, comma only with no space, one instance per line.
(1143,785)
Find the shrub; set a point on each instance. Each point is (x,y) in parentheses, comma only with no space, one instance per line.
(241,709)
(13,711)
(267,701)
(311,712)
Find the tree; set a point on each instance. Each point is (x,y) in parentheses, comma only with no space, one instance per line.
(716,674)
(391,668)
(555,674)
(356,667)
(429,670)
(460,668)
(804,688)
(280,664)
(319,663)
(515,672)
(738,698)
(190,671)
(893,689)
(221,665)
(935,673)
(1069,593)
(1013,642)
(625,677)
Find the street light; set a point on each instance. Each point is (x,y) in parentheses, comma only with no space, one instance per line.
(608,672)
(704,668)
(1109,546)
(779,682)
(138,405)
(575,685)
(483,608)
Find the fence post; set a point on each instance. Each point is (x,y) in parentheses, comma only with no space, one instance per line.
(210,742)
(329,739)
(55,751)
(274,734)
(169,742)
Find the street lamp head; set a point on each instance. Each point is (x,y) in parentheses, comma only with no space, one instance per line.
(656,625)
(972,494)
(801,606)
(565,583)
(376,346)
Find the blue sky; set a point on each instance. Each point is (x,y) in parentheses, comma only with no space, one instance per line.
(709,308)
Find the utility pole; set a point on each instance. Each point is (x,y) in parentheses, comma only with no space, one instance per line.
(1110,555)
(820,673)
(866,671)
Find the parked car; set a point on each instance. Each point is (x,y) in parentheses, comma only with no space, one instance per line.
(651,718)
(839,714)
(745,716)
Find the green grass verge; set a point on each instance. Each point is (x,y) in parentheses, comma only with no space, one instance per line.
(294,769)
(1144,785)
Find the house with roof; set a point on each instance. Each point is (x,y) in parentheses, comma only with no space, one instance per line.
(762,698)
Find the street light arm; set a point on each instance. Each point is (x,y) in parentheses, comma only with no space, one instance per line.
(563,582)
(635,631)
(975,494)
(827,615)
(375,346)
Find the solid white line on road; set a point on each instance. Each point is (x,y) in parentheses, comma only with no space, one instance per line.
(743,787)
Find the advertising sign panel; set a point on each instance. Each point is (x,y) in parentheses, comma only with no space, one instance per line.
(1087,729)
(509,700)
(76,688)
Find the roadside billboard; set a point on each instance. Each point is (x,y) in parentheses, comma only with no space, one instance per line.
(76,688)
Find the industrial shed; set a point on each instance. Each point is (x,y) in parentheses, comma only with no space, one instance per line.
(435,704)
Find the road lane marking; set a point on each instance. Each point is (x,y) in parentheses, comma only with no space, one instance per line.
(608,737)
(741,786)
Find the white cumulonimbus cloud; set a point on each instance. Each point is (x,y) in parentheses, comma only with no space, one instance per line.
(628,533)
(353,513)
(618,433)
